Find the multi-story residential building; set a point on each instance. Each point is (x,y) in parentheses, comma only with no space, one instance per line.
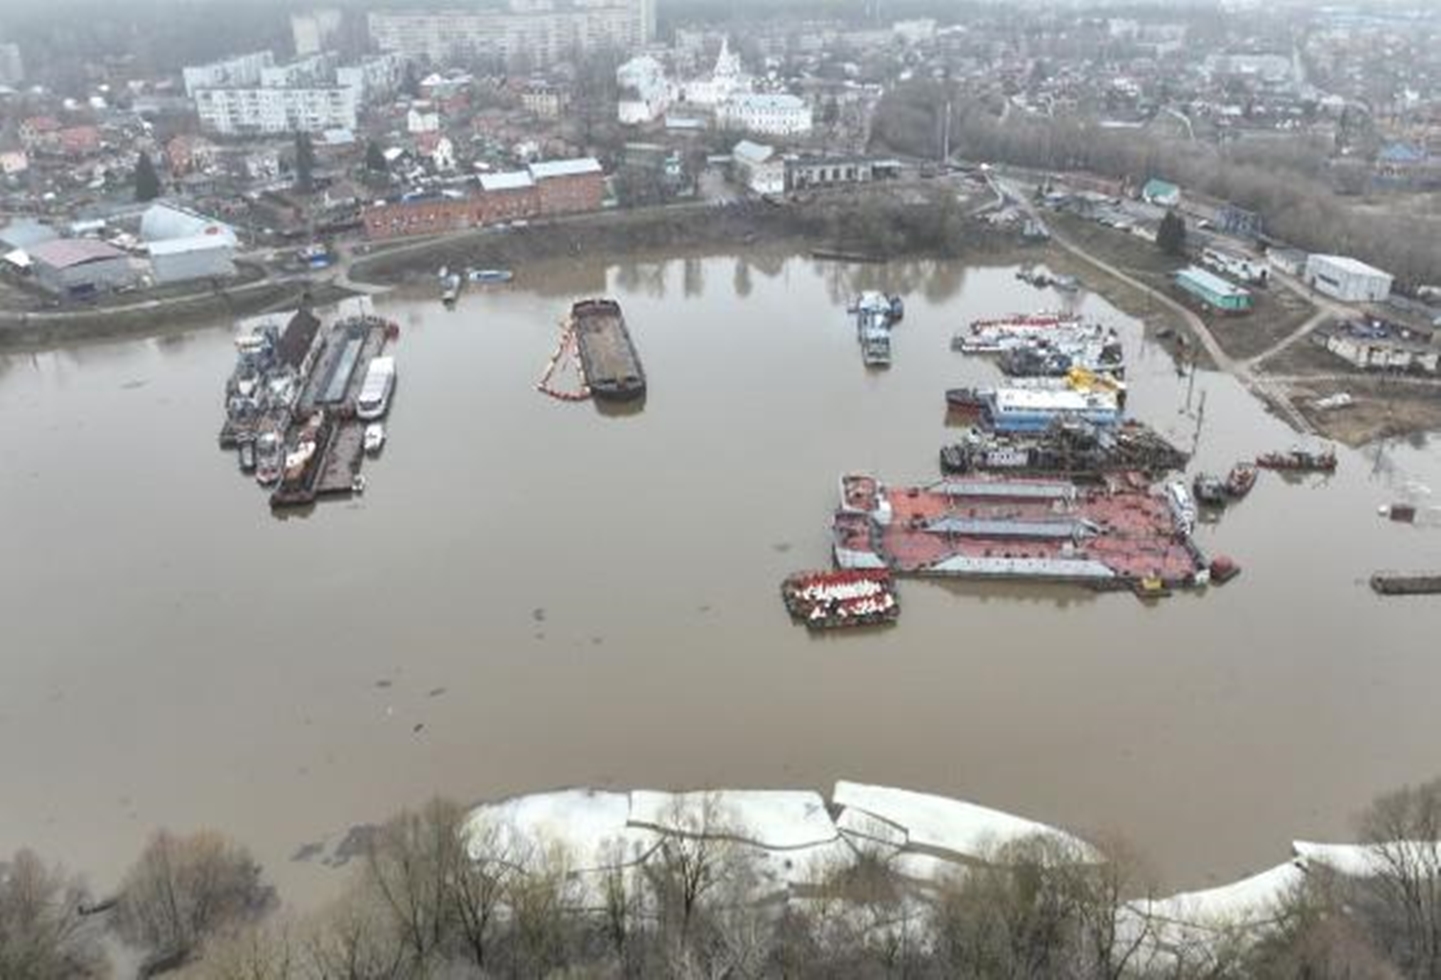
(313,69)
(377,77)
(774,115)
(254,111)
(12,68)
(315,31)
(544,30)
(240,71)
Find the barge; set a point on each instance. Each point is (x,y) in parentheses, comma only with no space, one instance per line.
(1391,583)
(1069,448)
(608,357)
(841,599)
(1299,461)
(1114,537)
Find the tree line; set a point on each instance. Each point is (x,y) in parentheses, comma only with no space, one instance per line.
(1291,182)
(440,895)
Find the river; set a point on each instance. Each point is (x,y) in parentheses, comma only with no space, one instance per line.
(533,594)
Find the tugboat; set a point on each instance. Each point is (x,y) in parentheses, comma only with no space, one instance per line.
(489,275)
(1300,461)
(247,456)
(1223,569)
(1210,490)
(1240,480)
(450,289)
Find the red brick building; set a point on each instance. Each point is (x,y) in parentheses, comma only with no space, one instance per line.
(546,188)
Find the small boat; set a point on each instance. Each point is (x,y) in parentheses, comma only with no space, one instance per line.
(450,289)
(247,457)
(1210,490)
(269,458)
(1240,480)
(374,437)
(490,275)
(1223,569)
(1183,509)
(1151,587)
(966,399)
(1299,461)
(837,599)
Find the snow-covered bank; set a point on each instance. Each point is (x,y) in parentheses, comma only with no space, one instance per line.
(791,843)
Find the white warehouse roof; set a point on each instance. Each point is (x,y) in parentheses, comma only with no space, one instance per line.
(1347,264)
(512,181)
(565,168)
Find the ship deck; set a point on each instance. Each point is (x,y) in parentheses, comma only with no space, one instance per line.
(1115,533)
(607,355)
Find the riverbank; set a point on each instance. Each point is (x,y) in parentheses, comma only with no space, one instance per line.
(879,225)
(39,331)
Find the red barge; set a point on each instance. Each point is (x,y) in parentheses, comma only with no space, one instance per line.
(1120,535)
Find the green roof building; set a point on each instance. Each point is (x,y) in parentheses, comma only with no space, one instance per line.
(1213,291)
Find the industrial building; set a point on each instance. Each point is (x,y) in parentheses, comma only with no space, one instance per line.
(1375,346)
(198,257)
(1213,291)
(759,167)
(1347,279)
(77,268)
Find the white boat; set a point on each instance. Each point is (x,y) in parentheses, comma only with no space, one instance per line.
(375,391)
(490,275)
(374,437)
(1183,508)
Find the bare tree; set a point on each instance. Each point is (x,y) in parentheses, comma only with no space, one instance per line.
(623,892)
(1315,937)
(542,899)
(694,857)
(42,933)
(410,866)
(480,877)
(355,939)
(183,889)
(1401,900)
(267,951)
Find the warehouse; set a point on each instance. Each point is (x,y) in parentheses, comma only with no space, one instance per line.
(1347,279)
(196,257)
(81,267)
(1213,291)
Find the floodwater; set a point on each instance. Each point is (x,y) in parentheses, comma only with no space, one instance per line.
(533,594)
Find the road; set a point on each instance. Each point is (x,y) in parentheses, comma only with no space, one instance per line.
(1327,310)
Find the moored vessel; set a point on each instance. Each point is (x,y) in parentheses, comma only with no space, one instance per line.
(608,357)
(840,599)
(1299,460)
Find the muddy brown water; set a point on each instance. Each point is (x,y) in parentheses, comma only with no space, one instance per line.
(559,596)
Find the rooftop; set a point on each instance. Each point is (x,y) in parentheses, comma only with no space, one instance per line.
(544,169)
(513,180)
(1210,282)
(1347,264)
(65,253)
(748,152)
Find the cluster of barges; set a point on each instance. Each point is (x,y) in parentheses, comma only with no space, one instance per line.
(304,404)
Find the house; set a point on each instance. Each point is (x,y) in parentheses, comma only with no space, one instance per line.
(437,148)
(13,162)
(187,154)
(422,121)
(544,100)
(1213,291)
(1161,193)
(1237,221)
(1347,279)
(645,93)
(81,267)
(1290,261)
(38,133)
(78,141)
(759,168)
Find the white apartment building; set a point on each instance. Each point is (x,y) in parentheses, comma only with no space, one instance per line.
(314,69)
(252,111)
(315,31)
(243,70)
(773,115)
(545,30)
(377,77)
